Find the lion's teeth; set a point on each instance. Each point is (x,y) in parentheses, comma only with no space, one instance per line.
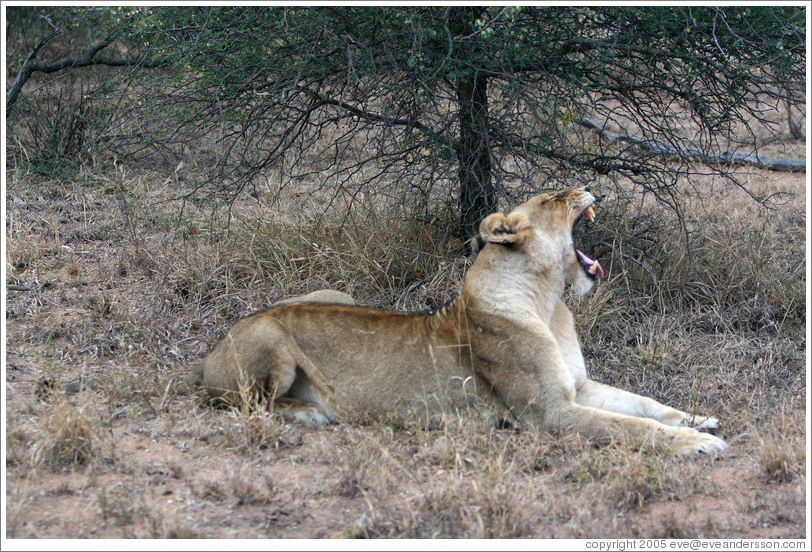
(596,269)
(589,213)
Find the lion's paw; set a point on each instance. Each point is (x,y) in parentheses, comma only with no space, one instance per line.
(704,422)
(307,414)
(702,443)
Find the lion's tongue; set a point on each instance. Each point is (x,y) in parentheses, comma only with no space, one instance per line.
(594,266)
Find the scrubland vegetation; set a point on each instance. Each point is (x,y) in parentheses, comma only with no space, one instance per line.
(138,231)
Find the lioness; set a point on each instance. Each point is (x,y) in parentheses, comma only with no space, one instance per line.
(507,343)
(319,296)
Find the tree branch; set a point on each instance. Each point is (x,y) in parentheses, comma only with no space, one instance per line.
(30,66)
(410,122)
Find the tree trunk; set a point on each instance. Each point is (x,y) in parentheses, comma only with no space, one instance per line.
(477,197)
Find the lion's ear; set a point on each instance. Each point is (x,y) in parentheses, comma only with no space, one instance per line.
(506,230)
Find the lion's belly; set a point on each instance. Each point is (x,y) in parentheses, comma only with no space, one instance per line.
(384,375)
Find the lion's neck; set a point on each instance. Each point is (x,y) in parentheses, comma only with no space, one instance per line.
(513,294)
(518,304)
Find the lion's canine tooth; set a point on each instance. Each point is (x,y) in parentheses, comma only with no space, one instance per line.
(597,269)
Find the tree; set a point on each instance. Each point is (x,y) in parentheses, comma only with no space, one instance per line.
(79,64)
(484,101)
(31,65)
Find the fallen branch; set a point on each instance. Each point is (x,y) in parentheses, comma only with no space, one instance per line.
(14,287)
(654,147)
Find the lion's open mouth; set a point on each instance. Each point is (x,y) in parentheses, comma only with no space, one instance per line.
(592,267)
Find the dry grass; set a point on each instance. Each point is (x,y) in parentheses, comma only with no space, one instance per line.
(461,509)
(252,422)
(782,454)
(70,435)
(633,476)
(127,294)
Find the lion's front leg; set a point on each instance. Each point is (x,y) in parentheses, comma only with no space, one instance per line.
(606,397)
(526,369)
(604,426)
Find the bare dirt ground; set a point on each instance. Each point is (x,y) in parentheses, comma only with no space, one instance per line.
(111,299)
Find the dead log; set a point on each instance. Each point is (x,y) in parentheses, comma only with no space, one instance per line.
(729,158)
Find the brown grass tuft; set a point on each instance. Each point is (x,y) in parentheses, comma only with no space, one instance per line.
(458,508)
(781,451)
(69,434)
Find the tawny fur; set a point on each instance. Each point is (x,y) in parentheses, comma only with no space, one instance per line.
(507,345)
(320,296)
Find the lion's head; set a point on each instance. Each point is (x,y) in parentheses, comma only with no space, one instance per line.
(537,237)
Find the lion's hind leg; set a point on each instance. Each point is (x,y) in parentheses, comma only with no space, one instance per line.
(260,361)
(606,397)
(307,395)
(310,398)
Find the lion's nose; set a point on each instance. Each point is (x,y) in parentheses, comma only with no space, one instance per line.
(586,189)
